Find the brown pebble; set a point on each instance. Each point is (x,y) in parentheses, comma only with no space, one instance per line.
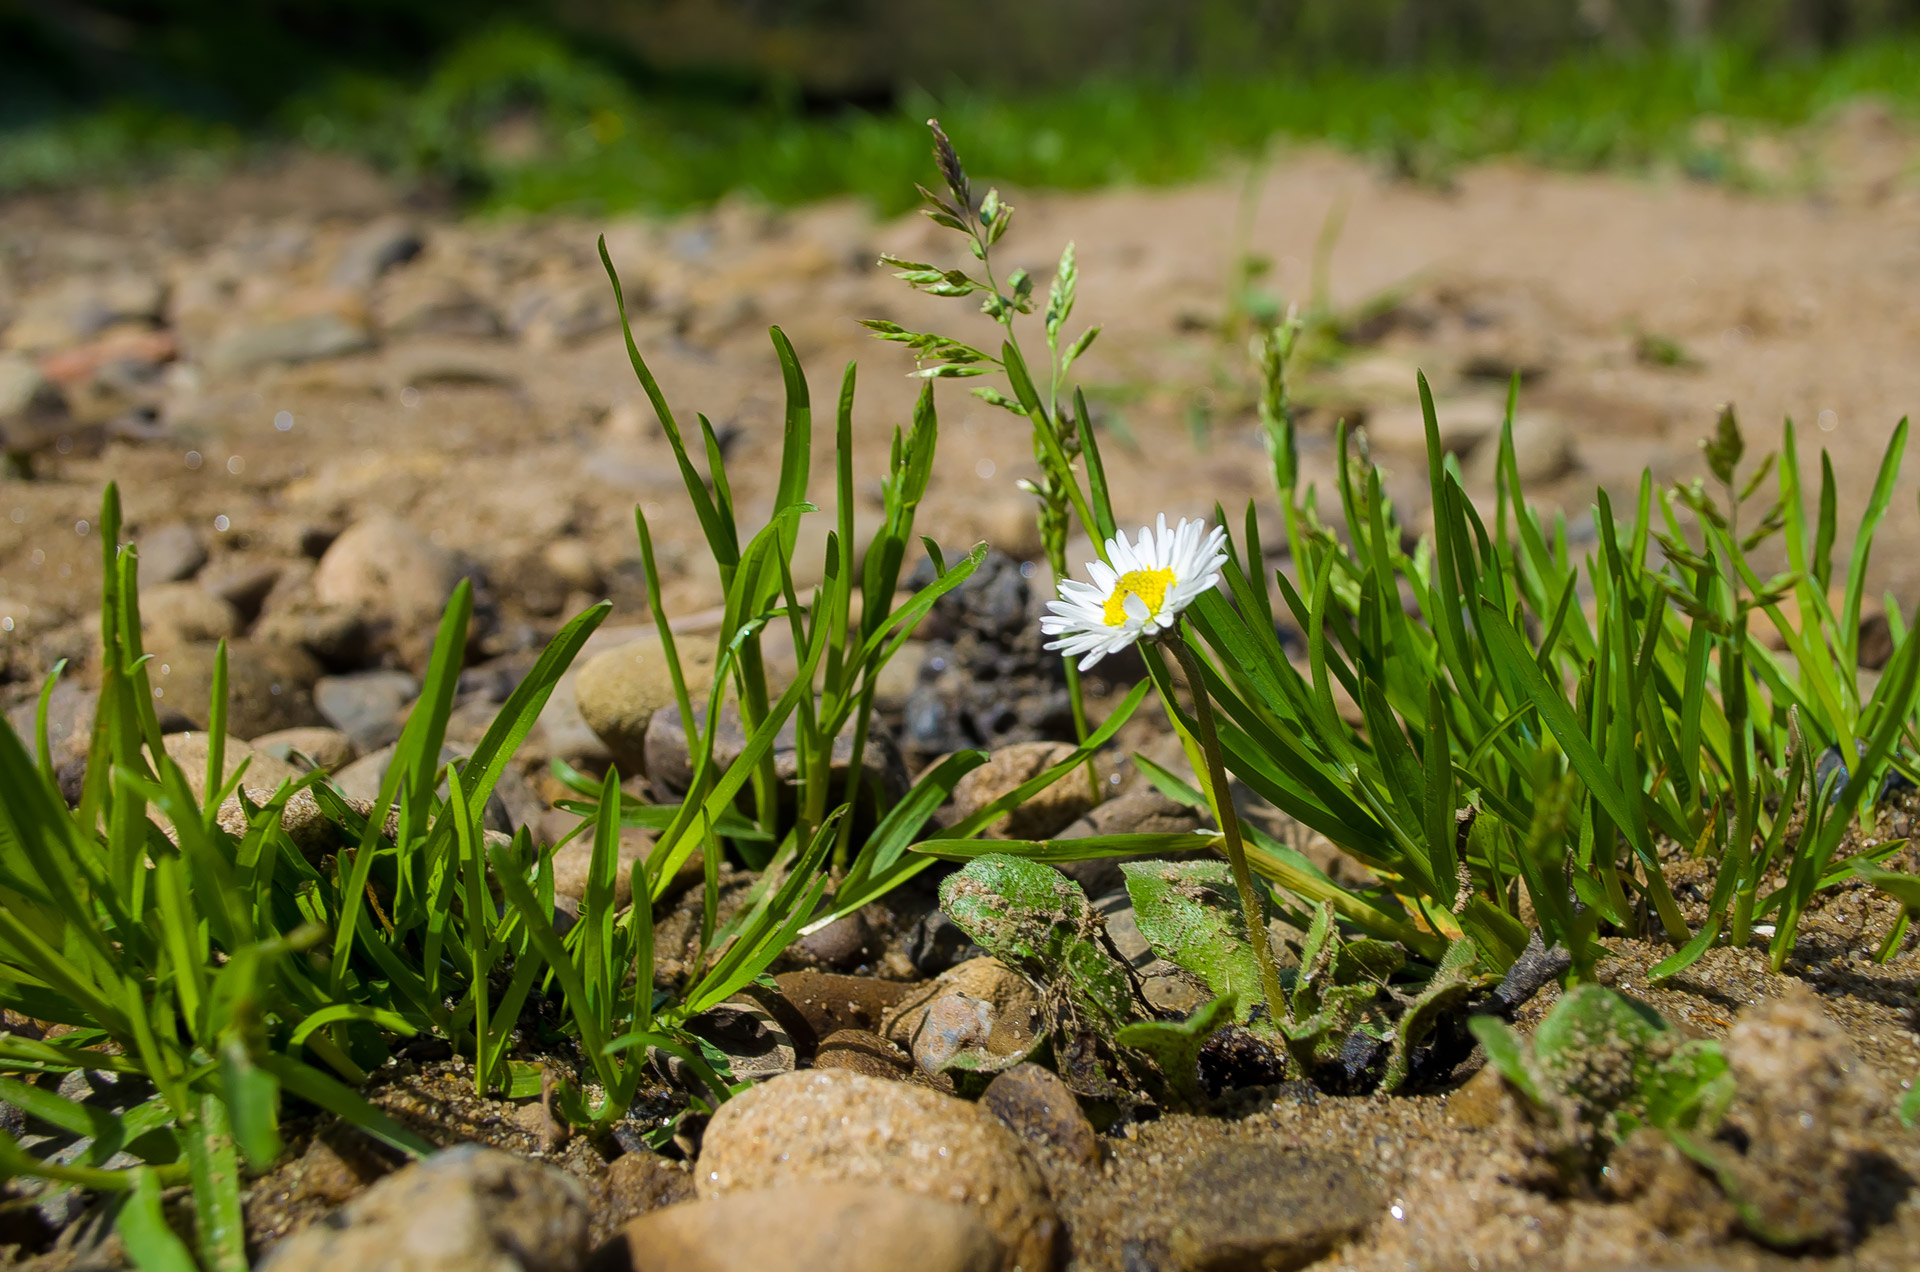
(1478,1101)
(639,1183)
(862,1051)
(830,1002)
(1035,1104)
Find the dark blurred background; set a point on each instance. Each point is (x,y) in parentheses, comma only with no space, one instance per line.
(518,102)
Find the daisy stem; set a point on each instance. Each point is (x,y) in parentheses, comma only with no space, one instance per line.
(1223,811)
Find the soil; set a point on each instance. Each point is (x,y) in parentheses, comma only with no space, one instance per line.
(508,421)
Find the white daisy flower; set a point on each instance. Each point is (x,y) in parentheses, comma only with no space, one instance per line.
(1140,594)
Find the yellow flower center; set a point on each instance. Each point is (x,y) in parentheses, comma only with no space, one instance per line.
(1149,585)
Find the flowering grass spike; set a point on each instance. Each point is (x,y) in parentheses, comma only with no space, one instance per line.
(1138,592)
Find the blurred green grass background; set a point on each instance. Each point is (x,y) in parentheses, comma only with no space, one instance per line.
(669,104)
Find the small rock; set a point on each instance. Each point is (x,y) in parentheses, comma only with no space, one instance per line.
(394,577)
(327,749)
(78,307)
(639,1183)
(756,1046)
(844,1227)
(1041,817)
(374,250)
(864,1052)
(463,1209)
(551,316)
(423,304)
(368,706)
(619,691)
(1250,1205)
(1013,1017)
(953,1023)
(829,1003)
(361,780)
(335,1168)
(1035,1104)
(570,560)
(937,944)
(189,751)
(573,863)
(669,766)
(269,687)
(168,554)
(70,712)
(305,329)
(840,946)
(1477,1104)
(1141,809)
(827,1126)
(1542,450)
(32,411)
(241,582)
(176,614)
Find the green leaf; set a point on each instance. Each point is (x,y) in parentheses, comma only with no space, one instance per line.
(1175,1045)
(1190,914)
(152,1245)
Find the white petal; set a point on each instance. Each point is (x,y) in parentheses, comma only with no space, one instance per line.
(1136,608)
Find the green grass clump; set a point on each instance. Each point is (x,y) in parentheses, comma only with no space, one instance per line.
(589,136)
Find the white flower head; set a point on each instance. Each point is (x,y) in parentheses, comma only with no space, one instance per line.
(1140,594)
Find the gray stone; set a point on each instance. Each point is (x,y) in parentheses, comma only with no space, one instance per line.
(395,578)
(70,712)
(466,1209)
(1254,1205)
(619,691)
(169,553)
(368,706)
(176,614)
(252,343)
(375,249)
(831,1126)
(843,1227)
(361,780)
(669,765)
(840,946)
(327,749)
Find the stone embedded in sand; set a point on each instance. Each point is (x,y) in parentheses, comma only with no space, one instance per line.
(1045,814)
(189,751)
(1035,1104)
(1260,1206)
(467,1209)
(619,691)
(327,749)
(1014,1016)
(301,327)
(572,864)
(843,1227)
(840,946)
(863,1052)
(828,1002)
(826,1126)
(640,1183)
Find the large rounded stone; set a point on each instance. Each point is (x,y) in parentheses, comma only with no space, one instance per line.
(176,614)
(828,1126)
(467,1209)
(189,751)
(619,690)
(843,1227)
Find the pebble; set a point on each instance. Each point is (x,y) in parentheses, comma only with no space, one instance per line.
(756,1046)
(168,554)
(840,946)
(573,862)
(1036,1105)
(619,691)
(1251,1205)
(241,582)
(423,304)
(669,766)
(368,706)
(361,780)
(864,1052)
(937,944)
(79,307)
(255,342)
(840,1226)
(1014,1015)
(269,686)
(189,751)
(465,1209)
(828,1002)
(1045,814)
(374,249)
(1542,450)
(329,749)
(1141,809)
(32,411)
(829,1126)
(638,1183)
(70,712)
(176,614)
(396,578)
